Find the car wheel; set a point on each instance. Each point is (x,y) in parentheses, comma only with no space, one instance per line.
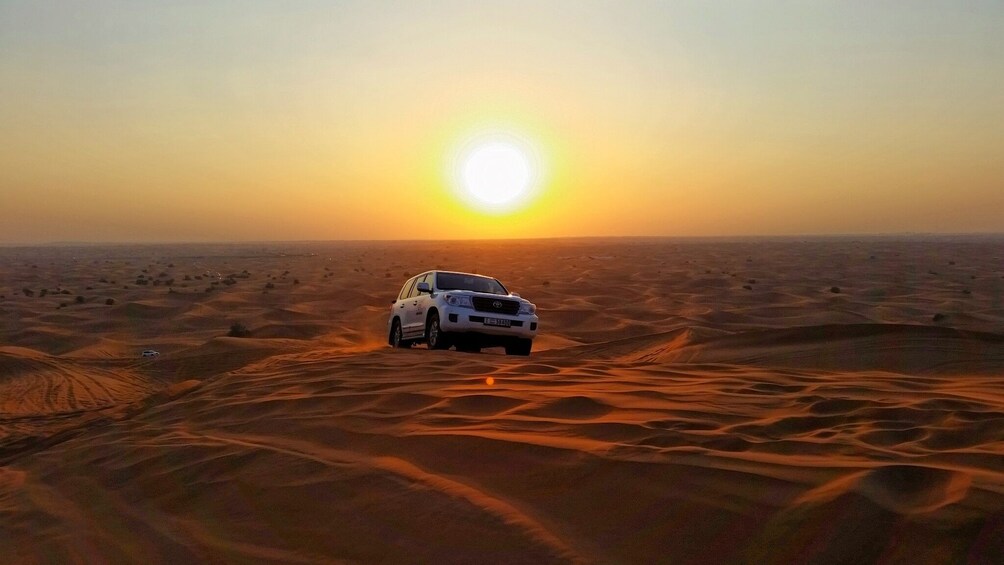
(434,334)
(519,347)
(397,336)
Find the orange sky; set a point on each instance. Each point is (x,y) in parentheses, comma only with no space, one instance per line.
(262,121)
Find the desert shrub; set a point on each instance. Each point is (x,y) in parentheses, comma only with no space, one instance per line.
(64,291)
(747,287)
(188,277)
(28,292)
(64,304)
(296,281)
(110,301)
(103,280)
(835,289)
(238,329)
(269,285)
(42,292)
(80,300)
(938,317)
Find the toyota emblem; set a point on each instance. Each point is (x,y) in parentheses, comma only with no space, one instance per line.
(497,304)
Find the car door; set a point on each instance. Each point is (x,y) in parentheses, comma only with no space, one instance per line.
(416,306)
(401,306)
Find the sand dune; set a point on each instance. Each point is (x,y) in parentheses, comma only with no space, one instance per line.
(668,415)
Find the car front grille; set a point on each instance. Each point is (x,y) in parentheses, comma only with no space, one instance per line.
(482,304)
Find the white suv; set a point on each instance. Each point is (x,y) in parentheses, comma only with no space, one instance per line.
(443,308)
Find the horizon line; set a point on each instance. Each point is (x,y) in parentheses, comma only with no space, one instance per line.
(878,235)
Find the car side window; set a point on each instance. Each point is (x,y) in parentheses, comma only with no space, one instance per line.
(414,290)
(406,290)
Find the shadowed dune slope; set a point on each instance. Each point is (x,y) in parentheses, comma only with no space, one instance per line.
(847,347)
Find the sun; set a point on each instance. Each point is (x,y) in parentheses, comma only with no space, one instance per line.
(496,172)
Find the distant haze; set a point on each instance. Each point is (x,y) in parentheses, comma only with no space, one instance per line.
(192,121)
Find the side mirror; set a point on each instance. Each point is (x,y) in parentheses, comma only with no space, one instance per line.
(424,287)
(516,294)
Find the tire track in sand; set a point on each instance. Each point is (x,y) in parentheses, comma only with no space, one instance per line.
(482,500)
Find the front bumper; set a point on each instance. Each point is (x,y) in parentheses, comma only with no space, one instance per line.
(468,320)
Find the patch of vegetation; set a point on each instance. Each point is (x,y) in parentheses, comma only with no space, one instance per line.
(238,329)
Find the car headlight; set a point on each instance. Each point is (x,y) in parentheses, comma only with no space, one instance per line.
(527,308)
(459,300)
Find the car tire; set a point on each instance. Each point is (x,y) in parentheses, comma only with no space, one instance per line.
(397,336)
(519,347)
(435,337)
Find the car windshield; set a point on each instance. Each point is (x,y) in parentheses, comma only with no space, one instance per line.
(457,281)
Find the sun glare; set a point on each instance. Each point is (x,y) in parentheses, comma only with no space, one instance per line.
(496,173)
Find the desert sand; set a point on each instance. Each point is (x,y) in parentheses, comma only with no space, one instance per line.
(689,401)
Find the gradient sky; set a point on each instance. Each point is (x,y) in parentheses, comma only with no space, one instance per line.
(194,121)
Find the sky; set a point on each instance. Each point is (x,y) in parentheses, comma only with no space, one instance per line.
(261,121)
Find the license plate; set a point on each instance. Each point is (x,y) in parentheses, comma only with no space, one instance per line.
(497,322)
